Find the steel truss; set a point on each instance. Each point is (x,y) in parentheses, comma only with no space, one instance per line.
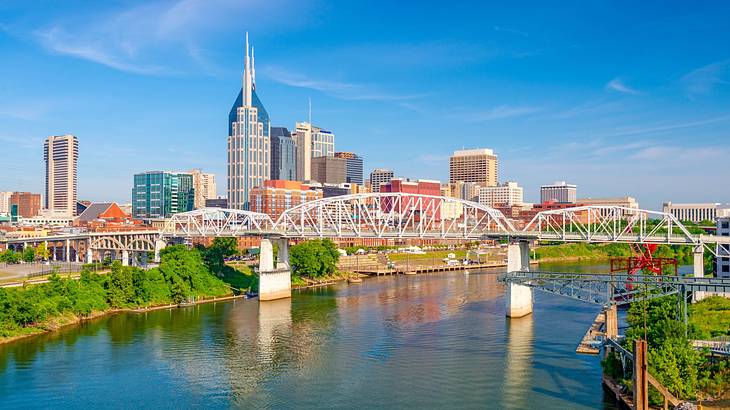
(393,215)
(618,289)
(217,222)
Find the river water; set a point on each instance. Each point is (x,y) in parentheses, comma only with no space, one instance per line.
(427,341)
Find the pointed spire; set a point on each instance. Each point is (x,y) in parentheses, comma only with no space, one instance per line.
(253,69)
(247,87)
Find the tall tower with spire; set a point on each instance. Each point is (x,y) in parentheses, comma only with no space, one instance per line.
(249,145)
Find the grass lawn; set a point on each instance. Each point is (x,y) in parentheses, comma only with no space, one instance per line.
(438,255)
(240,276)
(711,316)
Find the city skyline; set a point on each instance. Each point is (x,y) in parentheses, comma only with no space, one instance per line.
(614,122)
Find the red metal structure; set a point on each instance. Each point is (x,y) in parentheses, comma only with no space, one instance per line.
(643,260)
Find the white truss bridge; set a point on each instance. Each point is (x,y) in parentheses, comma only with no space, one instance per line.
(411,216)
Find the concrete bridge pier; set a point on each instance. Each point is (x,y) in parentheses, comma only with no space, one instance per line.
(159,245)
(698,269)
(274,279)
(518,299)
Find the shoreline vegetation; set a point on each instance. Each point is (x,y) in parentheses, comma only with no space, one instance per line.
(184,276)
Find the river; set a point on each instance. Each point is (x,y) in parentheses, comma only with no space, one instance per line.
(427,341)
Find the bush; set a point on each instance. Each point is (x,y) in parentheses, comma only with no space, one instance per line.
(314,258)
(181,275)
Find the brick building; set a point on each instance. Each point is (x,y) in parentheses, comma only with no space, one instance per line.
(276,196)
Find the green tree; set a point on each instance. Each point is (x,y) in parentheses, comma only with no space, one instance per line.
(120,287)
(314,258)
(42,253)
(28,254)
(9,256)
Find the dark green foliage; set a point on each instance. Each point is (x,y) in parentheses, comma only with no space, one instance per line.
(673,361)
(181,275)
(314,258)
(9,256)
(28,254)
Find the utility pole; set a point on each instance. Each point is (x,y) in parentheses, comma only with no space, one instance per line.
(641,381)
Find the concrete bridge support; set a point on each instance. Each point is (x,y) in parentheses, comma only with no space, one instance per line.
(698,269)
(274,278)
(518,299)
(159,245)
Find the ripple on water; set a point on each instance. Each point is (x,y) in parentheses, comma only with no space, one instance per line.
(428,341)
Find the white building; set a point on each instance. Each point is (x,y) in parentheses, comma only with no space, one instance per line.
(509,193)
(204,187)
(723,264)
(311,142)
(696,212)
(249,130)
(5,202)
(624,202)
(380,176)
(560,192)
(61,154)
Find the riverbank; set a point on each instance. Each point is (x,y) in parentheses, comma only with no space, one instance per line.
(59,322)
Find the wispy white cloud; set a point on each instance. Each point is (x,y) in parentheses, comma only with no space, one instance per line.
(617,84)
(705,79)
(586,109)
(495,113)
(26,110)
(334,88)
(681,154)
(511,31)
(155,37)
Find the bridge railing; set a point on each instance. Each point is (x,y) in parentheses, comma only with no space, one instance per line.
(598,223)
(392,215)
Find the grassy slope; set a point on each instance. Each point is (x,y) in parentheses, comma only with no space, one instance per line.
(711,317)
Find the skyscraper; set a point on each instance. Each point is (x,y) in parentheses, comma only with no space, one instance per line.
(248,139)
(329,170)
(61,154)
(474,165)
(283,155)
(380,176)
(160,194)
(560,192)
(204,187)
(311,142)
(354,167)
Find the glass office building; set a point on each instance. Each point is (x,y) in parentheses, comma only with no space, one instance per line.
(161,194)
(283,155)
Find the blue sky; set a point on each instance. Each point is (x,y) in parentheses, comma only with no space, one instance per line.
(617,97)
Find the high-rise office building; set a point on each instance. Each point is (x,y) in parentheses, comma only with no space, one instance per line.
(248,139)
(204,187)
(283,155)
(560,192)
(507,194)
(474,165)
(378,177)
(311,142)
(329,170)
(161,194)
(354,167)
(61,154)
(5,202)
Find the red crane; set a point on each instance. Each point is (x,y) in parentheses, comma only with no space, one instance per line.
(642,260)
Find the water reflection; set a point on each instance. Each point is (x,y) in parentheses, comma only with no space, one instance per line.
(427,341)
(518,371)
